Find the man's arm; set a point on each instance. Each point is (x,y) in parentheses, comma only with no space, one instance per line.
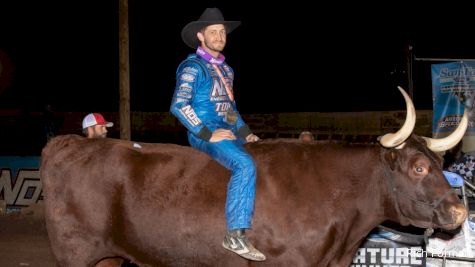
(188,76)
(243,129)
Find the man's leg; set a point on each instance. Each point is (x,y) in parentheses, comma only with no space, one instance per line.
(240,195)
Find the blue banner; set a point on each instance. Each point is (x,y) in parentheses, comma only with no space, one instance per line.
(452,84)
(20,183)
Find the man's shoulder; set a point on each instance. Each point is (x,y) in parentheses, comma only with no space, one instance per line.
(193,59)
(193,63)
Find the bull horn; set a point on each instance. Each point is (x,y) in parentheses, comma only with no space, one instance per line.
(446,143)
(395,139)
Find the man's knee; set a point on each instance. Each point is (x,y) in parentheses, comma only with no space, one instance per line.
(246,163)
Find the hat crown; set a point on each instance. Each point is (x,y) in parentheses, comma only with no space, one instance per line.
(211,14)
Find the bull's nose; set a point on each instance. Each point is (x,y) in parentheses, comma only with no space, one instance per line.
(459,214)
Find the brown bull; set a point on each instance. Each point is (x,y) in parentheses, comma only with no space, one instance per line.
(163,204)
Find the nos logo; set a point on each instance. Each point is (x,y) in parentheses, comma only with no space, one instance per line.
(23,190)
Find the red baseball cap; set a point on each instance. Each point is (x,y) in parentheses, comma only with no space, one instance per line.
(95,119)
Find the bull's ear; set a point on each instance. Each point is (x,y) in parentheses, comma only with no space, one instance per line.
(391,158)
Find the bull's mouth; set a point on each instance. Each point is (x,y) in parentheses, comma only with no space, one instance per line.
(449,226)
(458,215)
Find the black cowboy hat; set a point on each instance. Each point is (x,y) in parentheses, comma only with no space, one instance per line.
(210,16)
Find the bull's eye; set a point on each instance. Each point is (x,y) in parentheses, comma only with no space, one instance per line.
(420,170)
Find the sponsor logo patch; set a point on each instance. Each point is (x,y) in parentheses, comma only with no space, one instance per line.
(187,77)
(186,87)
(190,70)
(190,115)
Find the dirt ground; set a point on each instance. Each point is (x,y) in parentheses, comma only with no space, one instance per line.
(23,239)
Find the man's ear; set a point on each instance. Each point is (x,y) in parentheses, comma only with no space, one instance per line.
(90,131)
(200,36)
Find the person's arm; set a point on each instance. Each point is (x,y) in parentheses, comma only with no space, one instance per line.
(189,77)
(243,129)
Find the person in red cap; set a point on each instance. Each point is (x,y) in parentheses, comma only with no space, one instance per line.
(95,126)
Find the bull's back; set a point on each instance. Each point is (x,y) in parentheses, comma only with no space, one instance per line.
(72,164)
(315,168)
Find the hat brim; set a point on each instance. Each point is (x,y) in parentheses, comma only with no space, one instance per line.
(107,124)
(188,34)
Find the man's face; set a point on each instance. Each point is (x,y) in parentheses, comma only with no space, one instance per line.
(97,131)
(213,37)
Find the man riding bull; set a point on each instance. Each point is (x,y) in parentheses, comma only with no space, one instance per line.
(204,103)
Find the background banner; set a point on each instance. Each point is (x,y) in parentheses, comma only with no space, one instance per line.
(452,84)
(395,249)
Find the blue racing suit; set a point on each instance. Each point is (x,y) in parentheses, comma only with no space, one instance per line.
(202,105)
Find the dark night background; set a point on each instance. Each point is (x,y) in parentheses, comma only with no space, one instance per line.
(287,58)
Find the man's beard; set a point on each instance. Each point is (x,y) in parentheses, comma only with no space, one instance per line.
(215,47)
(98,135)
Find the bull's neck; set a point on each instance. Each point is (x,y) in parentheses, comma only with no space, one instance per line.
(370,213)
(389,203)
